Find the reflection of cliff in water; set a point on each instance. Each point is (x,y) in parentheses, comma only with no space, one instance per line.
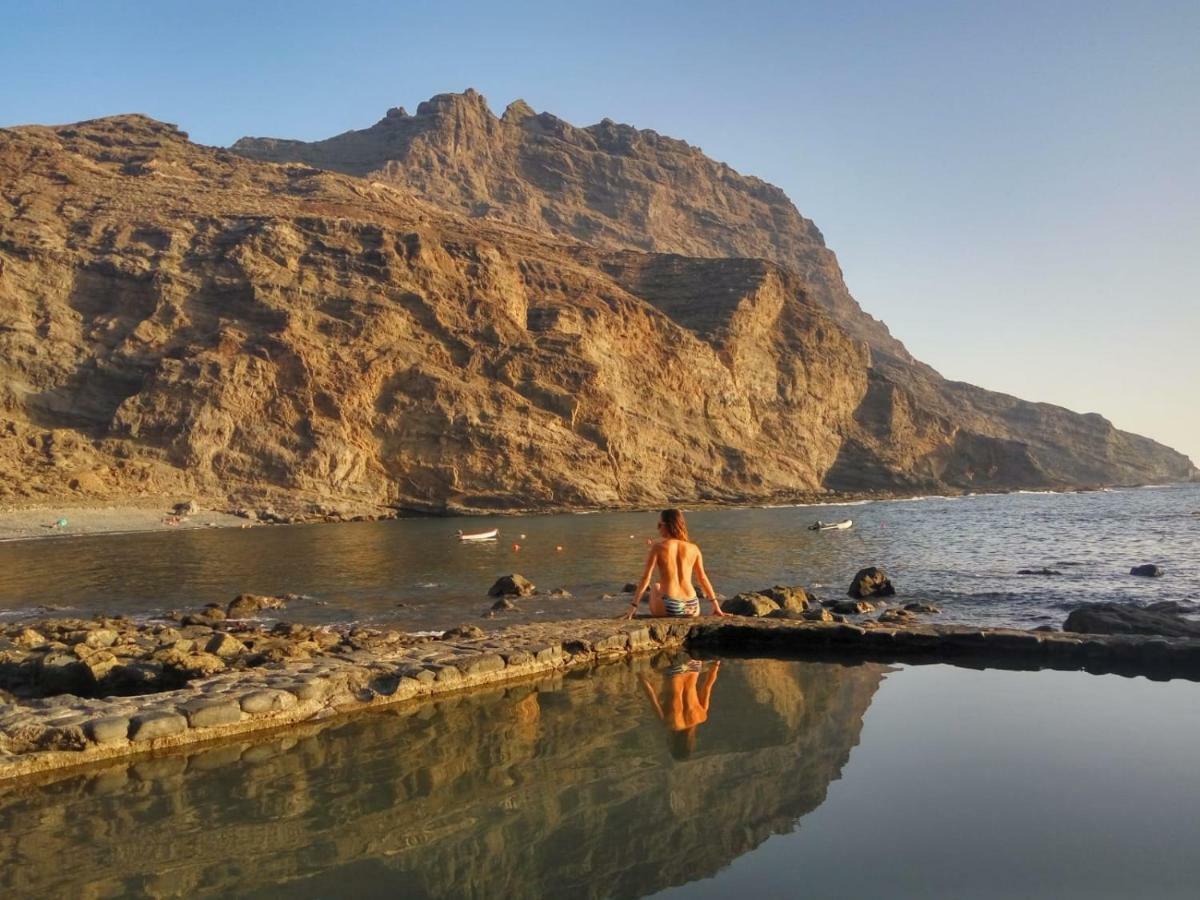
(566,788)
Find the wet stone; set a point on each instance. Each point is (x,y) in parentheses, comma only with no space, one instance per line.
(265,701)
(207,713)
(155,724)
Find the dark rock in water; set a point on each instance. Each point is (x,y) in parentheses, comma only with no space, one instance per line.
(786,614)
(1041,571)
(1117,618)
(245,605)
(871,582)
(1170,607)
(793,598)
(629,588)
(561,594)
(503,604)
(750,604)
(927,608)
(512,586)
(851,607)
(464,633)
(819,614)
(1147,570)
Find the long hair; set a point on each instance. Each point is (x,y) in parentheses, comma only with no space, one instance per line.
(676,526)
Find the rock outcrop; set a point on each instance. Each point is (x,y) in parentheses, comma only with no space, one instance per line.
(177,319)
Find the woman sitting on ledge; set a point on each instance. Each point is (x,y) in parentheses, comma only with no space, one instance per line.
(676,559)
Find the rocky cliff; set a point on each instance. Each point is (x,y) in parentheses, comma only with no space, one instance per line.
(615,186)
(181,319)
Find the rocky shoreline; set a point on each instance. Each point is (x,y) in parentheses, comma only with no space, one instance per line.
(158,686)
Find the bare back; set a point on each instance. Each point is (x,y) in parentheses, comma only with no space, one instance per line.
(675,561)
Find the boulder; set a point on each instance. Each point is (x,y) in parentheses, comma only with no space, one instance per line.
(224,645)
(818,614)
(512,586)
(503,605)
(794,598)
(99,665)
(629,588)
(1120,618)
(750,604)
(29,638)
(187,508)
(871,582)
(1147,570)
(243,606)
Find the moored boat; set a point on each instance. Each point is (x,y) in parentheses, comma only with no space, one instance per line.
(831,526)
(480,535)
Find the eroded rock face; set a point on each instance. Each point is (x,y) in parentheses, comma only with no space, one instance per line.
(617,187)
(180,320)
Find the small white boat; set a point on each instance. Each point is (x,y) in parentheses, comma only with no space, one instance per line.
(831,526)
(480,535)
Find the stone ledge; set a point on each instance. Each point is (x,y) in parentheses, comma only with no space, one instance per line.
(66,731)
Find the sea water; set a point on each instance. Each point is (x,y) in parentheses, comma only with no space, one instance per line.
(962,554)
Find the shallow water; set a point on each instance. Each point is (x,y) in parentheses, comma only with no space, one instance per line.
(807,779)
(961,553)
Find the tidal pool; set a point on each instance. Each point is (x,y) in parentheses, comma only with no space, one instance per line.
(657,777)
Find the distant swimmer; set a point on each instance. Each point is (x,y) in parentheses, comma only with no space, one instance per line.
(677,560)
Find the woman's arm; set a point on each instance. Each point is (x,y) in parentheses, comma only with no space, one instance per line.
(653,695)
(702,577)
(707,683)
(647,572)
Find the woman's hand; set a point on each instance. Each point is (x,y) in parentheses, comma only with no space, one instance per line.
(629,613)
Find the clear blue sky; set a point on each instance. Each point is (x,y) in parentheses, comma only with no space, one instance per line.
(1014,187)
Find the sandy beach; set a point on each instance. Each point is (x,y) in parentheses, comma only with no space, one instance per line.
(22,524)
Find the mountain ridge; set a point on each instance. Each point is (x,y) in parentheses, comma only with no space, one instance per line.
(178,319)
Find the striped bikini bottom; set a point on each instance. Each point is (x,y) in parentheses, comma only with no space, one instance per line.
(685,608)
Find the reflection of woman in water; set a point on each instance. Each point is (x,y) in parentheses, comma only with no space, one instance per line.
(677,559)
(683,702)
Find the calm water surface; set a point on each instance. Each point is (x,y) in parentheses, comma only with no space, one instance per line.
(962,554)
(806,779)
